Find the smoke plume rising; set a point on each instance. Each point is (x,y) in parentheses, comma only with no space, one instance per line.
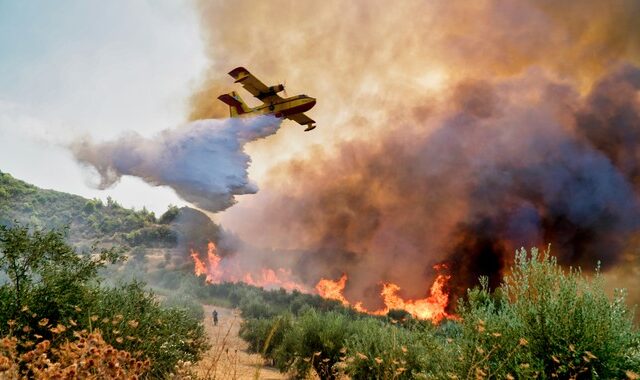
(447,131)
(203,161)
(491,177)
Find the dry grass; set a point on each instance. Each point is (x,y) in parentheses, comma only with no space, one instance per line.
(228,358)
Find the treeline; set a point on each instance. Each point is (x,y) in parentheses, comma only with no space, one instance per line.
(58,321)
(542,322)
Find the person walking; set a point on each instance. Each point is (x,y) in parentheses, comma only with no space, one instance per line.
(214,315)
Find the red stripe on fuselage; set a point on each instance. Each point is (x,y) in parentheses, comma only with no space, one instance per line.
(297,109)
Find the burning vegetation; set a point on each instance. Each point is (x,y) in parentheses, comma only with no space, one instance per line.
(421,158)
(432,307)
(504,163)
(217,270)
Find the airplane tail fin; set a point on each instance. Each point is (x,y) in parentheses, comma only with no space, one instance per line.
(237,106)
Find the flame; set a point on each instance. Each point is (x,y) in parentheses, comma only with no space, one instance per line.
(432,307)
(216,271)
(270,278)
(211,269)
(333,290)
(200,266)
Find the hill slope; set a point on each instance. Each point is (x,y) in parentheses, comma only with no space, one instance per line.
(92,221)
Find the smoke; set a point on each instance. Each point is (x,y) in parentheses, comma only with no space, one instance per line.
(504,167)
(611,117)
(203,161)
(447,132)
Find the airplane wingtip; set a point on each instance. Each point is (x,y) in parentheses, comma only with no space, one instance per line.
(237,71)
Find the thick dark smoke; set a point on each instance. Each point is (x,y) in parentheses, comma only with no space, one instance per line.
(448,132)
(611,120)
(510,163)
(203,161)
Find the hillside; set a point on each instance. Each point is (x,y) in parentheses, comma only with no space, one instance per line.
(92,221)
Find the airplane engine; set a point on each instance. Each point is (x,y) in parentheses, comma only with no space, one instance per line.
(277,88)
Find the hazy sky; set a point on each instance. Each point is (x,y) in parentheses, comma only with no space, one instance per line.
(70,68)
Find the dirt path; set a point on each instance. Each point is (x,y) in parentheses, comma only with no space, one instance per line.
(228,358)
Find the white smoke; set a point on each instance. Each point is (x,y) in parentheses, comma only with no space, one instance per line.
(203,161)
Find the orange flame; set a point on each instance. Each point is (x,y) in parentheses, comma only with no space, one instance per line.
(333,290)
(270,278)
(211,268)
(432,307)
(216,271)
(200,267)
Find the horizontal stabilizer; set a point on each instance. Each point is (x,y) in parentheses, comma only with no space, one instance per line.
(236,105)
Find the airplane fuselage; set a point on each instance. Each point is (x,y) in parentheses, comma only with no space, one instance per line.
(285,107)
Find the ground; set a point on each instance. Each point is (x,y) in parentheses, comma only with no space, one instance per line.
(228,358)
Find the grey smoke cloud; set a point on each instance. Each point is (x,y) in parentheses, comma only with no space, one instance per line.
(203,161)
(506,163)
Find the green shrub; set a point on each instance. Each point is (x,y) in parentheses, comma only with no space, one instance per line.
(490,343)
(265,335)
(254,306)
(169,215)
(52,292)
(548,322)
(380,350)
(314,341)
(132,319)
(542,322)
(182,300)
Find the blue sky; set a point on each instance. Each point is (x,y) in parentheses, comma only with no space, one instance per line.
(73,68)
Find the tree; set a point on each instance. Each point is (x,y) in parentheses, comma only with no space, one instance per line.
(28,257)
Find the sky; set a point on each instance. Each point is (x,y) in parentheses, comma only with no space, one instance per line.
(93,68)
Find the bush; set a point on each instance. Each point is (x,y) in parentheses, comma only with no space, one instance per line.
(133,320)
(42,361)
(314,341)
(184,301)
(545,321)
(541,322)
(265,335)
(53,294)
(170,215)
(376,349)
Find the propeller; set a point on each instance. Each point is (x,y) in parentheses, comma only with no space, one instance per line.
(284,89)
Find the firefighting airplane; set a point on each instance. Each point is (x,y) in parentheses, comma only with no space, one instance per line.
(290,108)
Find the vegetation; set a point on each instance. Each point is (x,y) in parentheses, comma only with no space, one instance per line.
(542,322)
(52,300)
(87,219)
(101,360)
(58,304)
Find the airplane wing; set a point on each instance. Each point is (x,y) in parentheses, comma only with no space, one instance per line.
(254,85)
(302,119)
